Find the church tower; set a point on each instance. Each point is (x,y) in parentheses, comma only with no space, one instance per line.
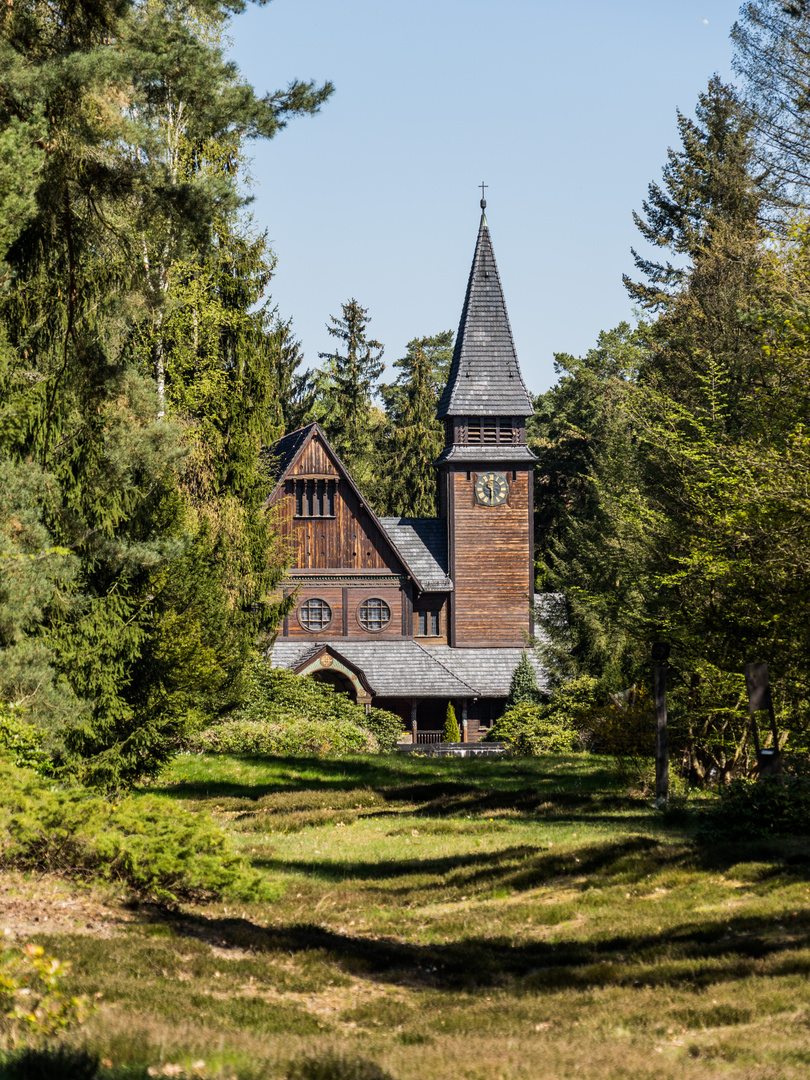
(485,470)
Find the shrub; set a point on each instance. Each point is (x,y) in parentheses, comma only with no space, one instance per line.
(385,726)
(450,733)
(749,809)
(22,743)
(157,849)
(295,735)
(32,1003)
(285,714)
(534,729)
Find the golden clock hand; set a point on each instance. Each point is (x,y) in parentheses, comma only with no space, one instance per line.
(491,490)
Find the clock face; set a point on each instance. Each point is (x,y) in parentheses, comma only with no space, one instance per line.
(491,489)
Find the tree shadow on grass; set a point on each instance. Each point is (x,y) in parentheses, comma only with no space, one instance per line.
(693,953)
(399,778)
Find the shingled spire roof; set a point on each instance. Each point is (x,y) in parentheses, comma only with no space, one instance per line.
(484,378)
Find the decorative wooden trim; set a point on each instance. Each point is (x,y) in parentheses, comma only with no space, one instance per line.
(345,606)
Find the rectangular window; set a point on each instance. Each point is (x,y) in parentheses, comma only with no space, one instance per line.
(427,624)
(315,498)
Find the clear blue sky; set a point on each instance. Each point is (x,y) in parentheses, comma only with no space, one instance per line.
(566,110)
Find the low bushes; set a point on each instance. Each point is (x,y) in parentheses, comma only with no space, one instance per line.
(293,735)
(750,809)
(157,849)
(535,729)
(286,714)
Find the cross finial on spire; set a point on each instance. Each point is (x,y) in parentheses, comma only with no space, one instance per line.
(483,195)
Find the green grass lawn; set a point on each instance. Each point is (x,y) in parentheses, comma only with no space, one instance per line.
(475,919)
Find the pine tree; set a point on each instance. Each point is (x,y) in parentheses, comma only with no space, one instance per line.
(451,732)
(346,387)
(414,436)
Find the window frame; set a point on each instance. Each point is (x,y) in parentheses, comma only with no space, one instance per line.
(360,616)
(305,604)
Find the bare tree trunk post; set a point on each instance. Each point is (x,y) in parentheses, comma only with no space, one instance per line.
(660,653)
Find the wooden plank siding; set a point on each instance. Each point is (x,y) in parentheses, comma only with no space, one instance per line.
(491,552)
(348,541)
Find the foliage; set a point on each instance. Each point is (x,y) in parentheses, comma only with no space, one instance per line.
(284,713)
(136,560)
(747,809)
(23,743)
(385,726)
(771,40)
(288,737)
(531,729)
(345,387)
(625,727)
(591,516)
(413,436)
(32,1001)
(523,686)
(153,847)
(450,732)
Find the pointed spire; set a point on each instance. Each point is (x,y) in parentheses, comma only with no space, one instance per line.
(484,378)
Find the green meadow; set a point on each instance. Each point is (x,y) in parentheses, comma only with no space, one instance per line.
(431,918)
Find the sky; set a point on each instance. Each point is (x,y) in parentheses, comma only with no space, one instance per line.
(565,110)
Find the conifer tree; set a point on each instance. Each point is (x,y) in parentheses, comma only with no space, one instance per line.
(101,210)
(413,436)
(345,390)
(523,686)
(451,733)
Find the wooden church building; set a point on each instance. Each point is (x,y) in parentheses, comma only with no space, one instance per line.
(408,613)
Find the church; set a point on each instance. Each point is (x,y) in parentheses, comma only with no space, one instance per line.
(410,613)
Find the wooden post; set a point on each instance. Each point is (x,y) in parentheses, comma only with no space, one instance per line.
(464,720)
(413,719)
(757,683)
(660,653)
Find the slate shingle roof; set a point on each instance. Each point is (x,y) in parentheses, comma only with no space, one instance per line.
(411,670)
(483,454)
(484,379)
(423,544)
(280,455)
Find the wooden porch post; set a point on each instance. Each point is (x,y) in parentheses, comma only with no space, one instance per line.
(464,720)
(413,719)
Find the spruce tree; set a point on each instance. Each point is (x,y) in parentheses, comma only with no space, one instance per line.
(523,686)
(414,437)
(772,43)
(100,211)
(346,387)
(451,732)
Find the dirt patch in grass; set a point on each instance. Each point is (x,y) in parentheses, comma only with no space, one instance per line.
(37,904)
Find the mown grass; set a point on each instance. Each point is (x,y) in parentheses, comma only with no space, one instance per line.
(473,919)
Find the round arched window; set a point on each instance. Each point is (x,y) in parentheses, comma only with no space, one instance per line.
(374,614)
(314,614)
